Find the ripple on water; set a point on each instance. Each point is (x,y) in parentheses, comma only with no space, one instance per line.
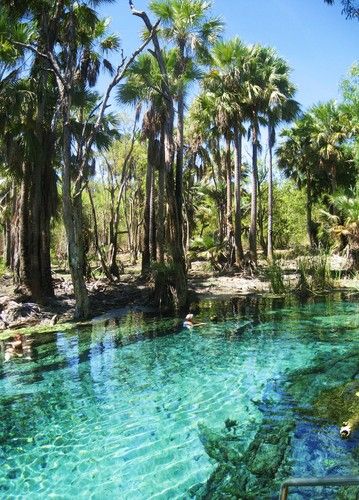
(91,419)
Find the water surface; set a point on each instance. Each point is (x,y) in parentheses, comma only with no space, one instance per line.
(113,411)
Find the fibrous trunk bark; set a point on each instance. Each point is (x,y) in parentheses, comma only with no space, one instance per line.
(178,282)
(270,200)
(237,189)
(253,225)
(180,137)
(146,254)
(72,220)
(161,216)
(229,227)
(310,225)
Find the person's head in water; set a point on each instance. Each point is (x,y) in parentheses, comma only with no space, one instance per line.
(188,322)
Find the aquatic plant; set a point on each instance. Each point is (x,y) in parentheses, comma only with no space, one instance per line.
(314,275)
(275,275)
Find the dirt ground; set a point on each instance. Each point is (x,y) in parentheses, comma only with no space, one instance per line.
(16,310)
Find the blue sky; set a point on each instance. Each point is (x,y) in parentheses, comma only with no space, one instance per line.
(317,41)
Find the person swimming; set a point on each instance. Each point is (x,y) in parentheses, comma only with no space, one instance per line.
(188,322)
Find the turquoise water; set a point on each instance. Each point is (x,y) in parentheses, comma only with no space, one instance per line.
(113,411)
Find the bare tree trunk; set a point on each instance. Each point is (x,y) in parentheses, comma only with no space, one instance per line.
(237,182)
(97,242)
(253,226)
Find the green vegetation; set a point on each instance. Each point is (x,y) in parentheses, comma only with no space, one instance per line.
(275,276)
(170,182)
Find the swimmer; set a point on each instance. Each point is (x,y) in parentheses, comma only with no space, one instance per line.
(188,322)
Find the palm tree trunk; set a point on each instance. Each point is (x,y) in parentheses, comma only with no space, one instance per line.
(229,227)
(254,201)
(175,236)
(311,236)
(260,220)
(146,254)
(270,199)
(174,204)
(72,220)
(22,266)
(161,200)
(180,139)
(152,217)
(237,190)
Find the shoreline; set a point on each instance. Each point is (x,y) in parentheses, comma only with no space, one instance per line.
(115,301)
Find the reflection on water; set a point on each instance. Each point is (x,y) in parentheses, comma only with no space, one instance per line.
(114,410)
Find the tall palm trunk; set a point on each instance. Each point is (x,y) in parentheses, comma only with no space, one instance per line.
(270,196)
(22,264)
(254,200)
(38,196)
(310,232)
(237,191)
(152,217)
(161,199)
(180,138)
(72,220)
(175,229)
(229,226)
(179,283)
(146,254)
(7,249)
(260,220)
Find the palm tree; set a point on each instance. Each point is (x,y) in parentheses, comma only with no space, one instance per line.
(187,25)
(143,85)
(280,107)
(255,100)
(328,135)
(34,140)
(299,160)
(226,80)
(205,141)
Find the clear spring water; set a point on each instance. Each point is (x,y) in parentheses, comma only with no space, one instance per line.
(113,411)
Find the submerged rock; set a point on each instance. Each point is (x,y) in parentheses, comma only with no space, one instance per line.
(252,472)
(326,390)
(329,389)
